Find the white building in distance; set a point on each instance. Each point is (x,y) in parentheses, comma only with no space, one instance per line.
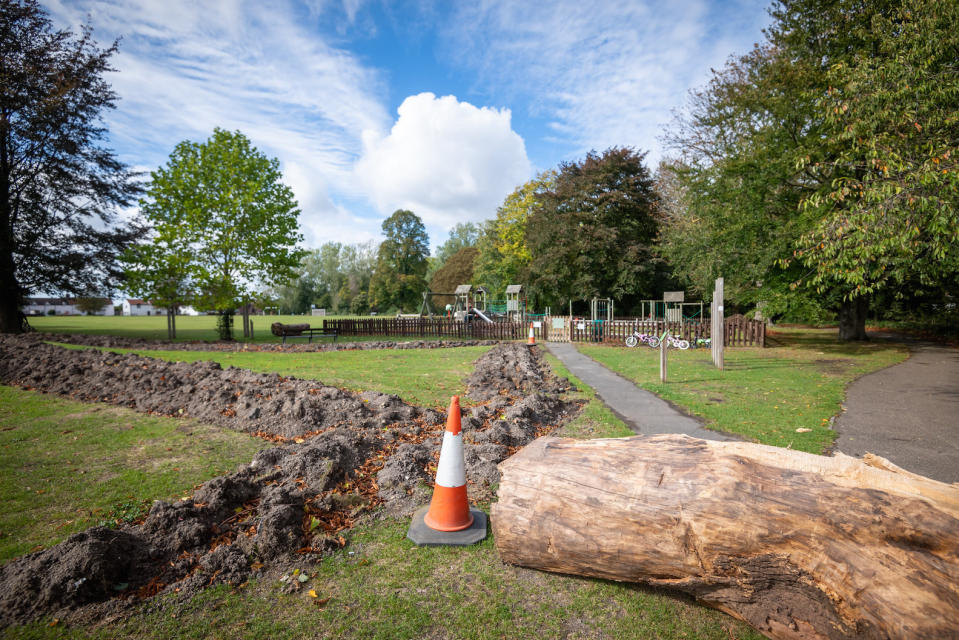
(63,307)
(137,307)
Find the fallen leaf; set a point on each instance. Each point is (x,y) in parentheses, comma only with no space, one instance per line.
(803,430)
(322,602)
(313,593)
(303,577)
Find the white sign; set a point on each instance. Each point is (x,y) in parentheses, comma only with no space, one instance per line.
(720,308)
(537,325)
(581,326)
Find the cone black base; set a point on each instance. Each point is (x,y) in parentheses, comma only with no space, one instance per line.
(424,536)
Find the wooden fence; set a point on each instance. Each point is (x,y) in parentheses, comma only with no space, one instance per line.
(739,331)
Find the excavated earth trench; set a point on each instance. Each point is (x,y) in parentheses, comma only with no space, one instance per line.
(340,455)
(115,342)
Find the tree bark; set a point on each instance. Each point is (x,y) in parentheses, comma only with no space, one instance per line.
(10,293)
(852,319)
(797,545)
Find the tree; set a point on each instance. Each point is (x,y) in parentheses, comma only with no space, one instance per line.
(462,235)
(399,278)
(91,304)
(457,270)
(503,254)
(809,166)
(593,233)
(224,204)
(161,271)
(59,187)
(887,208)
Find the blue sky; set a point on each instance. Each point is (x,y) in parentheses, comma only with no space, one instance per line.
(439,107)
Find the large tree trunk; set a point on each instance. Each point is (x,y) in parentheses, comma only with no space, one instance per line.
(852,319)
(798,545)
(10,294)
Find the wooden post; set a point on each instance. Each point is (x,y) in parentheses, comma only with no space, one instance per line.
(662,359)
(718,325)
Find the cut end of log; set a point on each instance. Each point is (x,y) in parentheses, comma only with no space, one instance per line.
(798,545)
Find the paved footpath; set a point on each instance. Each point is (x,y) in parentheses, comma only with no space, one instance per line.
(907,413)
(642,411)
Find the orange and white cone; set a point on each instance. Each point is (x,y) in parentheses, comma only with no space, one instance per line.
(532,335)
(449,509)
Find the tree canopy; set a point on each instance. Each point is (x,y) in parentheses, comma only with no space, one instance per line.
(593,231)
(59,186)
(462,235)
(400,275)
(807,169)
(457,270)
(223,222)
(504,256)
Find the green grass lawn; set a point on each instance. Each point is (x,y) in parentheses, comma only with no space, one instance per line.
(66,466)
(763,394)
(379,586)
(187,327)
(382,586)
(425,377)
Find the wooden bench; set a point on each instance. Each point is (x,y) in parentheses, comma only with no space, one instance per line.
(301,331)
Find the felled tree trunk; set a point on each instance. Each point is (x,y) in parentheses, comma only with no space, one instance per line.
(797,545)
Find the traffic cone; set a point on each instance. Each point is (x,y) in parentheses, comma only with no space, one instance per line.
(532,335)
(449,509)
(449,520)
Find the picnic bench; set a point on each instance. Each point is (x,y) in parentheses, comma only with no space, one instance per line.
(285,331)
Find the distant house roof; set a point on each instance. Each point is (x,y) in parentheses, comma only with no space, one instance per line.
(136,301)
(50,301)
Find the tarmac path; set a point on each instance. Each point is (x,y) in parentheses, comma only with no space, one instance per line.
(642,411)
(907,413)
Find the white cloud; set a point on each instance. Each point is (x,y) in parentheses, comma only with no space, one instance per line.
(445,160)
(603,74)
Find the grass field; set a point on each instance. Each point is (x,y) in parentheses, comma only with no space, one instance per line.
(425,377)
(380,585)
(66,466)
(187,327)
(765,395)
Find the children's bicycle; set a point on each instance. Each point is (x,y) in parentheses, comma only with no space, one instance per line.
(638,337)
(700,343)
(672,340)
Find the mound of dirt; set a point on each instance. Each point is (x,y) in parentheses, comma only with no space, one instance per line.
(258,403)
(351,453)
(114,342)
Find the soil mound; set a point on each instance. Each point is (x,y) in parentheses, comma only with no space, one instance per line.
(114,342)
(350,454)
(258,403)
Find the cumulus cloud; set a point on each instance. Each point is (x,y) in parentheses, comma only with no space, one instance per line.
(445,160)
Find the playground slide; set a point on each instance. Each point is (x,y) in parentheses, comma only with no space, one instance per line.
(482,315)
